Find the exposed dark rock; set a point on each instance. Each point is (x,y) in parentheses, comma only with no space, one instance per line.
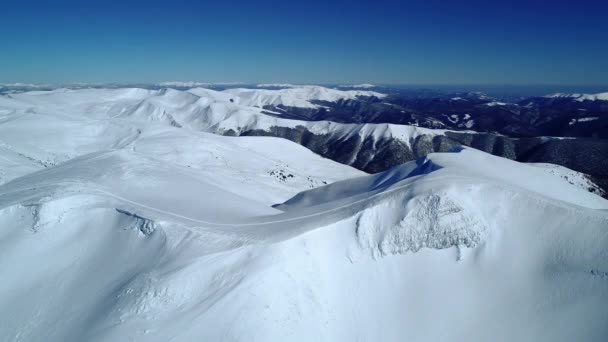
(530,117)
(589,156)
(144,225)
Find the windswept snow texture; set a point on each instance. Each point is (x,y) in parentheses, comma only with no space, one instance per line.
(120,220)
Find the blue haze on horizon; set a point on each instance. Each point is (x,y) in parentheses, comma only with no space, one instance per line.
(384,42)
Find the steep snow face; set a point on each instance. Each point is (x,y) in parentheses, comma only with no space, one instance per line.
(118,246)
(300,96)
(582,97)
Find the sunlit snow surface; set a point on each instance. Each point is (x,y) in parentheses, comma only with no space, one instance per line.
(118,225)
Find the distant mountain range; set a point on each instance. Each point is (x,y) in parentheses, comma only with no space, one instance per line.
(562,116)
(372,129)
(198,214)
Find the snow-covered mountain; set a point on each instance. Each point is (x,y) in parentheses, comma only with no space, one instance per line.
(295,96)
(157,233)
(122,217)
(179,84)
(55,137)
(368,147)
(362,86)
(581,97)
(202,109)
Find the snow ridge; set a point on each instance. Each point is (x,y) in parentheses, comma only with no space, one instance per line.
(363,86)
(300,96)
(150,232)
(581,97)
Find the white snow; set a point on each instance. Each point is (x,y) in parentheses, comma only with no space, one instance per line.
(203,109)
(581,97)
(453,118)
(465,122)
(189,84)
(362,85)
(592,118)
(299,96)
(575,178)
(118,225)
(496,103)
(26,85)
(586,119)
(276,85)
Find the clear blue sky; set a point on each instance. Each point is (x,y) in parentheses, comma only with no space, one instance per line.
(382,41)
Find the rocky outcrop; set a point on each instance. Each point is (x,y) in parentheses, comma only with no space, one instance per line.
(144,225)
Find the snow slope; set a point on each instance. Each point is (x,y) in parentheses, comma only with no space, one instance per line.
(300,96)
(575,178)
(203,109)
(66,124)
(119,245)
(276,85)
(189,84)
(581,97)
(362,86)
(120,220)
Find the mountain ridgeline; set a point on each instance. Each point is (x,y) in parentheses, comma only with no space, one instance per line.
(372,129)
(376,155)
(560,116)
(568,130)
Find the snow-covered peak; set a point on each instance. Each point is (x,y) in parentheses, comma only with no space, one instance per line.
(184,84)
(300,96)
(362,86)
(276,85)
(211,94)
(462,166)
(151,233)
(231,111)
(191,84)
(581,97)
